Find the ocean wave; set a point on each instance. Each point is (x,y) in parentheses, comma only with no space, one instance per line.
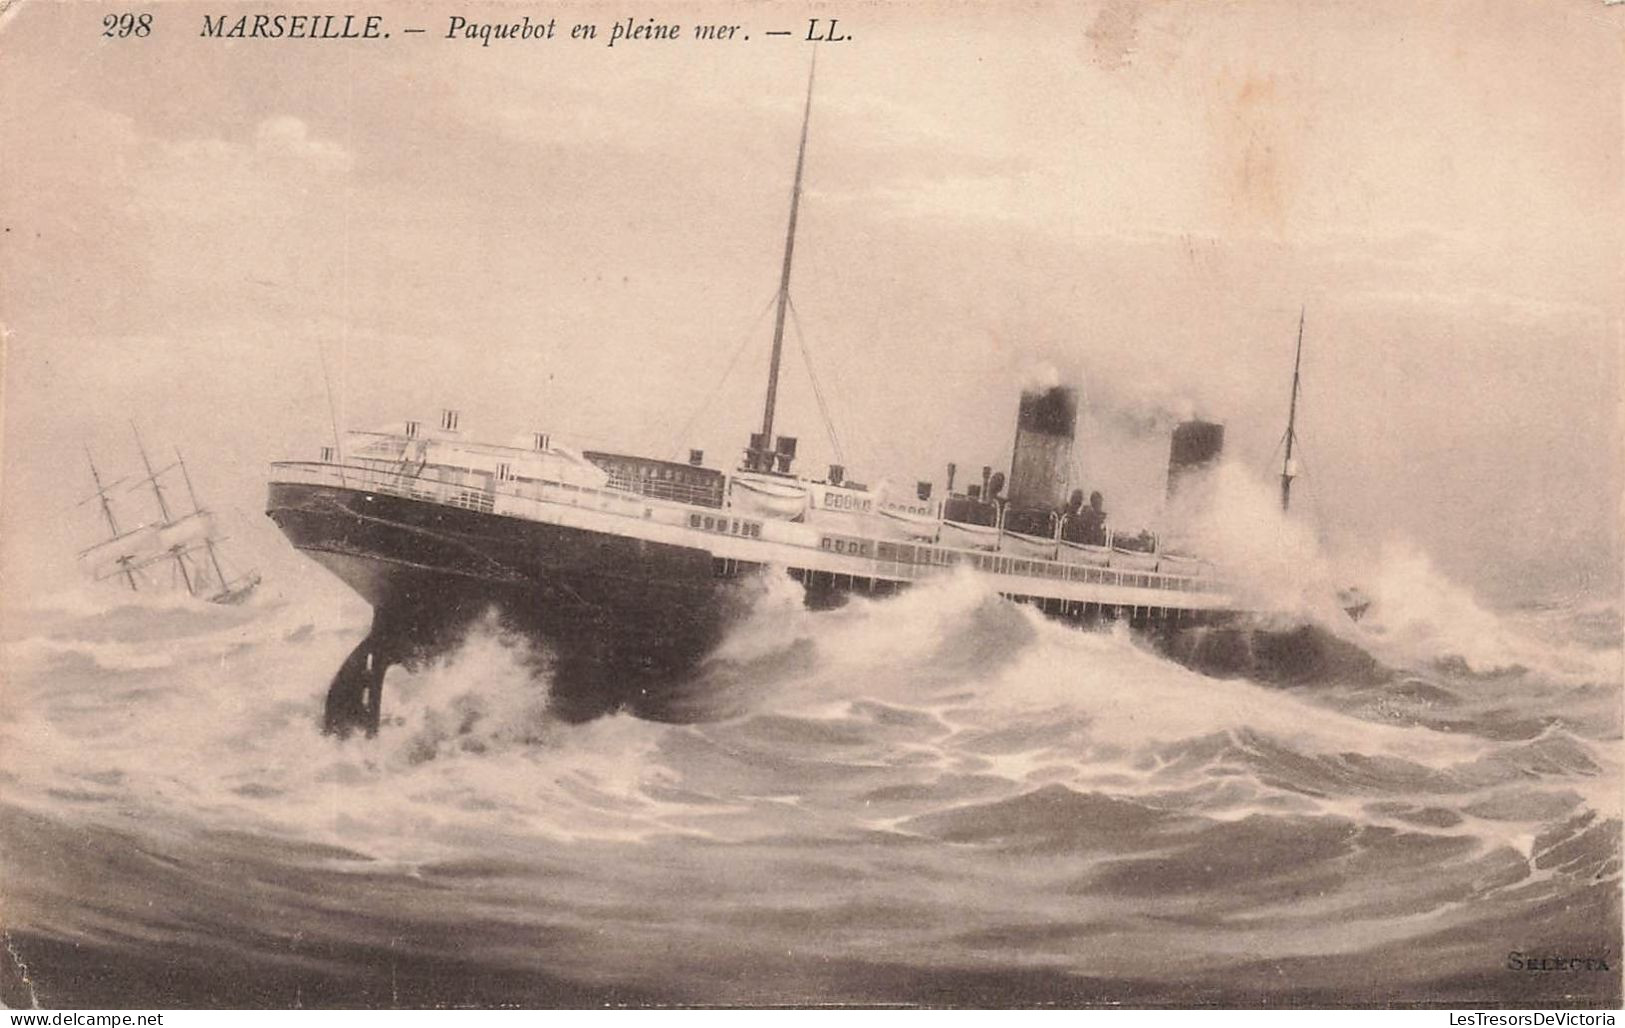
(1417,617)
(932,782)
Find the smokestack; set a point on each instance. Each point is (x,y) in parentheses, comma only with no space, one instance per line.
(1045,425)
(1195,448)
(786,453)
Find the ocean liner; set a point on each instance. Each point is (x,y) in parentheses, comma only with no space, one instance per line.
(630,568)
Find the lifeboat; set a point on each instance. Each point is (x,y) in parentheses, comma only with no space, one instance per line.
(1024,545)
(969,537)
(1084,553)
(774,499)
(902,524)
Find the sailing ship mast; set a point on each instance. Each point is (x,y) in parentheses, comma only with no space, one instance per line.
(168,538)
(208,540)
(163,509)
(1289,468)
(766,447)
(107,513)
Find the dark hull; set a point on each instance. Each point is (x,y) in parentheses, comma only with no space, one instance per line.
(622,619)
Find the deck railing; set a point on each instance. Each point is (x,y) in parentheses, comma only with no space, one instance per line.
(474,490)
(526,498)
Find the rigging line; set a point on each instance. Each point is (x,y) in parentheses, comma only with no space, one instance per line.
(1298,457)
(818,392)
(865,442)
(677,441)
(332,410)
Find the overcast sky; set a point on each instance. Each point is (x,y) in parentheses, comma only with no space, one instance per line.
(564,236)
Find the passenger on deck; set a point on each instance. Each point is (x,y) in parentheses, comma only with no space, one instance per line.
(1088,524)
(1095,519)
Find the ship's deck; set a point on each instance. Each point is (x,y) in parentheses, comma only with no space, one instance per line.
(833,543)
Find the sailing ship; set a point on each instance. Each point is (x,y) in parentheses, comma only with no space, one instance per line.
(182,545)
(630,567)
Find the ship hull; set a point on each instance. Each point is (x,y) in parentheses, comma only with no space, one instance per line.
(623,619)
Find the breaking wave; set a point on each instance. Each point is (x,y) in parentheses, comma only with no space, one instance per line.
(907,800)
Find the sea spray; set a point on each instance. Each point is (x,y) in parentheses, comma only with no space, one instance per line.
(882,802)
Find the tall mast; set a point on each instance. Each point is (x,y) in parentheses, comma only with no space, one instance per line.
(208,540)
(1289,470)
(163,507)
(152,476)
(107,512)
(784,277)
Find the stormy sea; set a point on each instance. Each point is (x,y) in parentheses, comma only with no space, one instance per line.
(940,798)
